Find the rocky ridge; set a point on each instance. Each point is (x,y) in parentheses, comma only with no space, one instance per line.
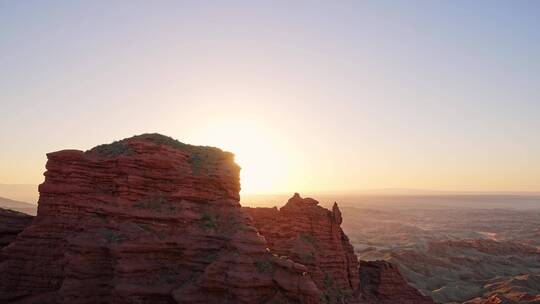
(11,224)
(522,289)
(311,235)
(151,220)
(382,283)
(145,220)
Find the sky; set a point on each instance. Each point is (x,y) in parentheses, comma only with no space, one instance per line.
(315,96)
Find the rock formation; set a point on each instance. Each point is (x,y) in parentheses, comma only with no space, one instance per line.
(11,224)
(522,289)
(146,220)
(151,220)
(311,235)
(382,283)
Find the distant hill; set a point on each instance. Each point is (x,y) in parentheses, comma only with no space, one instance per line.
(20,192)
(23,207)
(424,201)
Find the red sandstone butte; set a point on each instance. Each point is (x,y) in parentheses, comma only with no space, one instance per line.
(311,235)
(382,283)
(150,220)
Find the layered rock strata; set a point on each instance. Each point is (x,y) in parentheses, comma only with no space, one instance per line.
(311,235)
(146,220)
(151,220)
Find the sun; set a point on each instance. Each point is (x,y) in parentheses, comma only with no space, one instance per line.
(264,158)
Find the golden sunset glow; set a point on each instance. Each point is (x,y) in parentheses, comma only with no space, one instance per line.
(267,162)
(330,99)
(255,152)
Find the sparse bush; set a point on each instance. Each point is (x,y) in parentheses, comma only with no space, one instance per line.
(99,216)
(236,223)
(332,291)
(208,221)
(114,149)
(328,280)
(113,236)
(212,256)
(325,298)
(201,156)
(308,257)
(309,238)
(264,266)
(154,204)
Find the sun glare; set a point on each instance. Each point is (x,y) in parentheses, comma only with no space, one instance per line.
(262,156)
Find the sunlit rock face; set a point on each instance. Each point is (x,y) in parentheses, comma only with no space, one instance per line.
(147,220)
(311,235)
(11,224)
(382,283)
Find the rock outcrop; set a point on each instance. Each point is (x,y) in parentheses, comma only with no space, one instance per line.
(11,224)
(382,283)
(151,220)
(522,289)
(311,235)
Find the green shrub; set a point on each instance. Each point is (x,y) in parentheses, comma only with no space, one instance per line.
(208,221)
(309,238)
(113,236)
(116,148)
(264,266)
(154,204)
(325,298)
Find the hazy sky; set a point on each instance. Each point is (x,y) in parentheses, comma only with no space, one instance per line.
(311,96)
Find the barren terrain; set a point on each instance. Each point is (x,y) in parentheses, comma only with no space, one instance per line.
(454,254)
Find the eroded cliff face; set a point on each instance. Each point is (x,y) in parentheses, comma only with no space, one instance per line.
(311,235)
(148,220)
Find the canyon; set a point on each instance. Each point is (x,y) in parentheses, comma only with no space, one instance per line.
(149,219)
(454,255)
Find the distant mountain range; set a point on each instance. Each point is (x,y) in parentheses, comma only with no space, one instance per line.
(389,197)
(407,201)
(20,192)
(23,207)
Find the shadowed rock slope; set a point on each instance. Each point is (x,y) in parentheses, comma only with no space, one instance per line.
(146,220)
(382,283)
(11,224)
